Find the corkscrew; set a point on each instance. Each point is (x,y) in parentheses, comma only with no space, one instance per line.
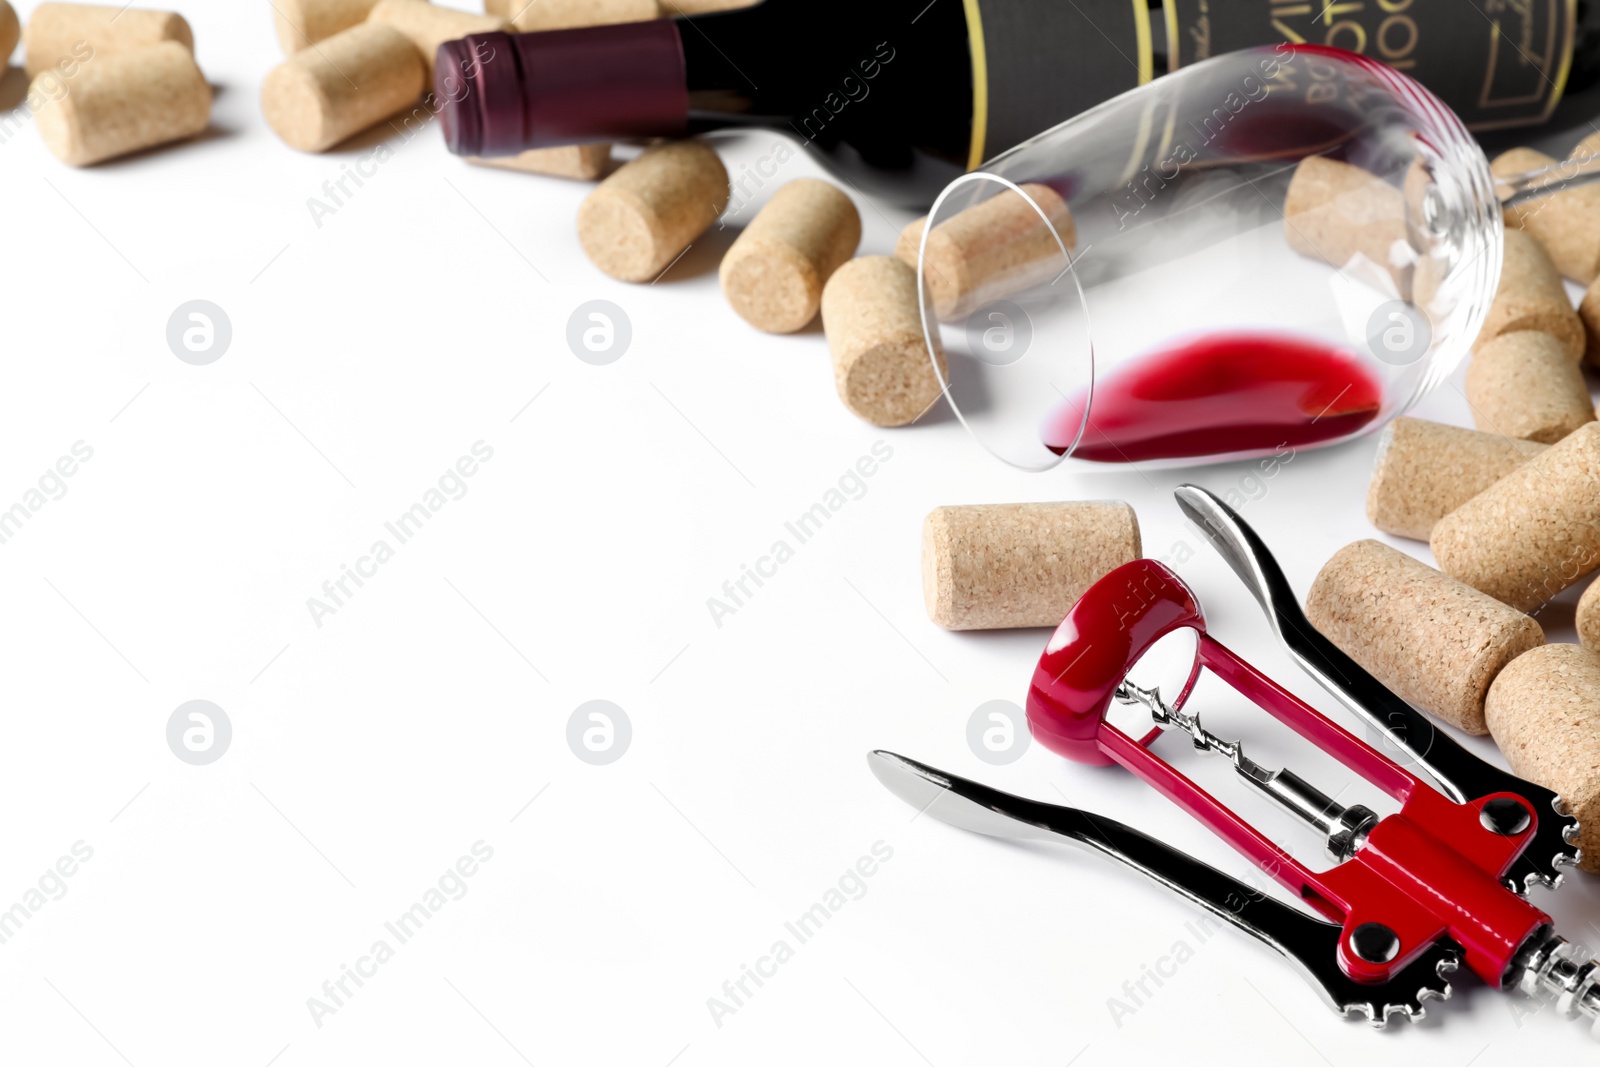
(1411,897)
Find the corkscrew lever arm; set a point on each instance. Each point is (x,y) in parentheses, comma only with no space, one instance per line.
(1462,775)
(1311,944)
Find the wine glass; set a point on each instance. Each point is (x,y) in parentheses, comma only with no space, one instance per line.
(1272,250)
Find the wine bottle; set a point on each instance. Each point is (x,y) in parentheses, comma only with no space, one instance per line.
(903,95)
(885,93)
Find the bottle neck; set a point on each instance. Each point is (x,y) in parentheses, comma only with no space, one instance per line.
(720,53)
(503,93)
(884,77)
(711,42)
(892,75)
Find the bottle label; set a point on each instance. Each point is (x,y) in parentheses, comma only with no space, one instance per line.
(1037,63)
(1495,62)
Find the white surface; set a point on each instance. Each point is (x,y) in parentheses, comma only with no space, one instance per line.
(368,754)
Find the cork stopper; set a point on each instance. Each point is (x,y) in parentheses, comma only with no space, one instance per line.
(706,7)
(1526,385)
(881,365)
(1530,296)
(1589,315)
(10,30)
(1544,713)
(1425,470)
(1587,618)
(774,273)
(583,161)
(1336,212)
(72,33)
(428,25)
(566,14)
(995,566)
(123,102)
(638,221)
(303,23)
(992,249)
(1433,641)
(1567,223)
(1534,532)
(350,81)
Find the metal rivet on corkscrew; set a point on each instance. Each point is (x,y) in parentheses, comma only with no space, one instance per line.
(1375,942)
(1414,895)
(1505,816)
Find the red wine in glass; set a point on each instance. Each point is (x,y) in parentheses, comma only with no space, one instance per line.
(1216,394)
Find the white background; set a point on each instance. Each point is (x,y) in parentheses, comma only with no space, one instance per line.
(369,754)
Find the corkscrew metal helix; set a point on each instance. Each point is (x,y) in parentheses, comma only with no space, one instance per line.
(1412,897)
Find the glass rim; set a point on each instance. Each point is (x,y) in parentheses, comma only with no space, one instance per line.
(930,321)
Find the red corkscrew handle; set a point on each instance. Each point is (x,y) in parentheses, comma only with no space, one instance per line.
(1114,623)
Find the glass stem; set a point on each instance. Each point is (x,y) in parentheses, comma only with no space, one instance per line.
(1515,189)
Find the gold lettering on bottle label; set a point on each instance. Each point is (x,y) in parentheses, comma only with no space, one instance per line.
(1506,68)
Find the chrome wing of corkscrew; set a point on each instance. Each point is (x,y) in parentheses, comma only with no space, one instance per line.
(1462,775)
(1310,943)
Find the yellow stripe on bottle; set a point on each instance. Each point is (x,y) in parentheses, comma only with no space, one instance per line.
(1567,50)
(980,85)
(1141,29)
(1170,10)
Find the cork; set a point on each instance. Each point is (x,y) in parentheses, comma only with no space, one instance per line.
(65,33)
(880,357)
(1530,296)
(584,161)
(429,25)
(1525,385)
(1544,713)
(123,102)
(996,566)
(1587,618)
(702,7)
(531,15)
(1567,223)
(303,23)
(1334,212)
(774,273)
(352,80)
(1425,470)
(1534,532)
(638,221)
(992,249)
(1589,315)
(10,32)
(1436,643)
